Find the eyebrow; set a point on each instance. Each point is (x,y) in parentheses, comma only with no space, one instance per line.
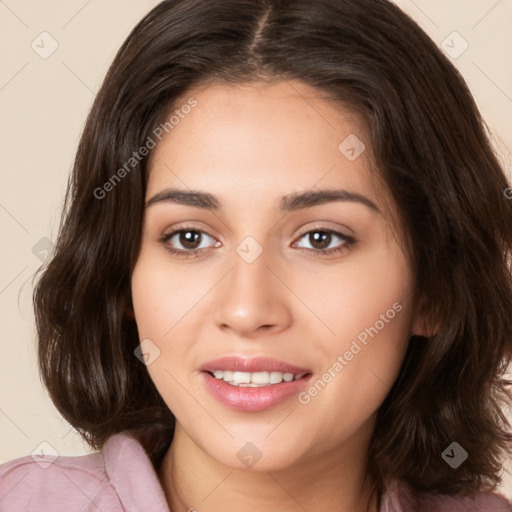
(289,203)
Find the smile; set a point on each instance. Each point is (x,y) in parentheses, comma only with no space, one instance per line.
(253,385)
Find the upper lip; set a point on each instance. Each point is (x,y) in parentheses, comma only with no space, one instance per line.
(255,364)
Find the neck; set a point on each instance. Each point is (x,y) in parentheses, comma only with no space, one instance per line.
(336,480)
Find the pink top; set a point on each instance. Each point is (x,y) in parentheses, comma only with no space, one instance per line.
(122,478)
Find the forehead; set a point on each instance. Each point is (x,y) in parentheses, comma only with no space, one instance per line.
(262,140)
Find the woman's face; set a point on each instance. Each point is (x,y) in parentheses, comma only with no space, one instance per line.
(260,335)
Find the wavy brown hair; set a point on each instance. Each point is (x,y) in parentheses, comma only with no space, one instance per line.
(430,146)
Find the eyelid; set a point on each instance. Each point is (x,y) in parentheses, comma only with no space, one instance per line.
(186,226)
(322,226)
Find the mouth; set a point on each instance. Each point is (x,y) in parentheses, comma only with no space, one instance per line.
(253,385)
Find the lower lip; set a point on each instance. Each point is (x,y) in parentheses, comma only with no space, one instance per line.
(243,398)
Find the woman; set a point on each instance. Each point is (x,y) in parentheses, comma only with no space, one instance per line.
(283,278)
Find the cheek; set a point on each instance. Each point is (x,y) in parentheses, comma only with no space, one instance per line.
(370,315)
(167,302)
(162,294)
(357,299)
(159,304)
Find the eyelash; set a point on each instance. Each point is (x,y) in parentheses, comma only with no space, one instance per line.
(349,242)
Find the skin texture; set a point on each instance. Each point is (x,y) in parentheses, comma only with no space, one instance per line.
(249,145)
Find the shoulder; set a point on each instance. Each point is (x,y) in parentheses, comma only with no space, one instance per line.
(53,482)
(117,478)
(62,483)
(399,497)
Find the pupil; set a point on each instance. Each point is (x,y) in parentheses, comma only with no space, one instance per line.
(323,236)
(189,238)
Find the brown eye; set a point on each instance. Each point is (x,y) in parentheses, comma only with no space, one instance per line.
(321,239)
(189,239)
(185,241)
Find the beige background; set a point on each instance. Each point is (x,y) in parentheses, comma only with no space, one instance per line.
(43,105)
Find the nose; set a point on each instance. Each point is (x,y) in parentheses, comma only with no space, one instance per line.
(252,299)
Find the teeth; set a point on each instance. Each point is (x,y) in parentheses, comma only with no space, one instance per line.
(275,377)
(242,377)
(260,378)
(255,379)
